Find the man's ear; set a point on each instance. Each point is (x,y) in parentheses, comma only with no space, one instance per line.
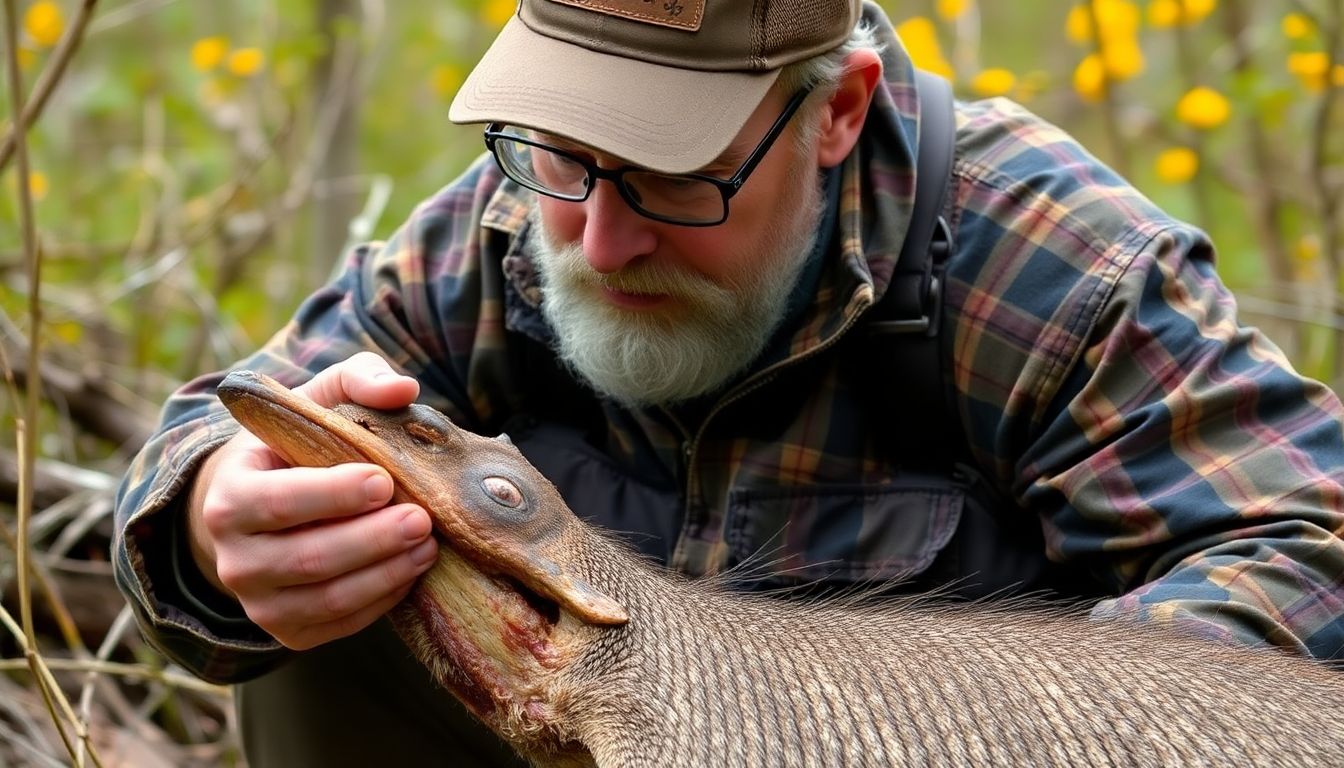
(843,116)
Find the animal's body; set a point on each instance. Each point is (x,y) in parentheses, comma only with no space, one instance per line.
(578,652)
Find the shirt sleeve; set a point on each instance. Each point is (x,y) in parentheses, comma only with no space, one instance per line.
(388,299)
(1192,468)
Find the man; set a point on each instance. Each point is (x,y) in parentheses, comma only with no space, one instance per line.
(657,284)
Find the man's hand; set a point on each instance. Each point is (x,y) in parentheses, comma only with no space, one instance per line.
(311,554)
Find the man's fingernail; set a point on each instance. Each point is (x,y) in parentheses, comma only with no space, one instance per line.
(426,553)
(415,525)
(385,374)
(378,487)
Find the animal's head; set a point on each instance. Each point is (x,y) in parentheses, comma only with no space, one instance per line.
(501,610)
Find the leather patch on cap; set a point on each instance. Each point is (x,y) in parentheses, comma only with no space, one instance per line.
(681,14)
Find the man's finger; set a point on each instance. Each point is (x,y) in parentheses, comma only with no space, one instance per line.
(364,378)
(312,636)
(352,593)
(320,553)
(285,498)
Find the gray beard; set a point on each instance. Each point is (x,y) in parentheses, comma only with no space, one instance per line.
(717,330)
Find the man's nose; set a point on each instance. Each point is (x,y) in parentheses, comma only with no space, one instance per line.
(614,234)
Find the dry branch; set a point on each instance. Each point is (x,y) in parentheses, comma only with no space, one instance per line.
(51,77)
(90,401)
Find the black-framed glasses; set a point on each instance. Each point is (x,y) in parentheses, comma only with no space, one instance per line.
(688,199)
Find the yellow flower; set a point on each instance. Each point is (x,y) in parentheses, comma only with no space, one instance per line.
(27,58)
(994,82)
(1168,13)
(1123,58)
(208,52)
(1164,13)
(37,185)
(1195,11)
(1309,63)
(445,79)
(1313,69)
(496,13)
(1089,78)
(69,331)
(952,9)
(245,62)
(921,42)
(44,23)
(1307,258)
(1078,25)
(1308,248)
(1118,20)
(1203,108)
(1296,26)
(1177,165)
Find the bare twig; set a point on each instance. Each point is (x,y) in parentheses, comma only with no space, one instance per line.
(47,82)
(27,425)
(345,78)
(1329,191)
(1185,54)
(69,631)
(1263,199)
(128,671)
(36,665)
(91,403)
(123,622)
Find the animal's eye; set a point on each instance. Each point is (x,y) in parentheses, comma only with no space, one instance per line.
(502,491)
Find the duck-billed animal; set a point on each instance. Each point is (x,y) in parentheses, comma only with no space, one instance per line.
(579,653)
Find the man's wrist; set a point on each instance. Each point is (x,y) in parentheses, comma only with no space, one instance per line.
(192,535)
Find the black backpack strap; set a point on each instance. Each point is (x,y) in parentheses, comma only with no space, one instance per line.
(903,330)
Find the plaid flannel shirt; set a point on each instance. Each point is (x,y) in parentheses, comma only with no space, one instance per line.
(1099,374)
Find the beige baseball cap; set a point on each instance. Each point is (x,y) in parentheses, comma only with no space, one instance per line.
(664,84)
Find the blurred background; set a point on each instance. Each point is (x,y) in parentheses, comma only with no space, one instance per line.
(193,170)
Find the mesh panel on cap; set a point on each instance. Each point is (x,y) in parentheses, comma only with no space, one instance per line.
(792,26)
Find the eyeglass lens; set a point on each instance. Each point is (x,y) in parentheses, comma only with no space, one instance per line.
(551,172)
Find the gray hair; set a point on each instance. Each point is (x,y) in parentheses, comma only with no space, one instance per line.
(822,73)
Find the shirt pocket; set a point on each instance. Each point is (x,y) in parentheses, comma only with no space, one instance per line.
(870,534)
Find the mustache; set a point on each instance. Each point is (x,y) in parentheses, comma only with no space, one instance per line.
(643,276)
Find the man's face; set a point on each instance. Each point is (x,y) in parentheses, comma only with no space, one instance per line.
(652,313)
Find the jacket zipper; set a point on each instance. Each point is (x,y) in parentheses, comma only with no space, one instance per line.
(753,383)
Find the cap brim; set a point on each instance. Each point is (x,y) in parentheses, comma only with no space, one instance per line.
(668,119)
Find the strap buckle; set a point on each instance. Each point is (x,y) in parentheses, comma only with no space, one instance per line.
(931,303)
